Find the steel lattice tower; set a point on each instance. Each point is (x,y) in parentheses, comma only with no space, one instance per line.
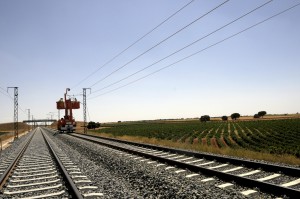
(16,135)
(84,110)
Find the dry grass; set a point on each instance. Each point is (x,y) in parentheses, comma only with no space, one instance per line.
(9,128)
(271,117)
(287,159)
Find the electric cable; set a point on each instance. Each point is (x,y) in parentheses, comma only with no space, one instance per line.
(159,43)
(4,92)
(134,43)
(197,52)
(177,51)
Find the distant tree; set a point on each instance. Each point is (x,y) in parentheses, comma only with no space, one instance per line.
(256,116)
(204,118)
(98,125)
(262,113)
(224,118)
(235,116)
(91,125)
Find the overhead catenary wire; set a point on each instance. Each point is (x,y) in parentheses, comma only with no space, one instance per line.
(159,43)
(197,52)
(4,92)
(134,43)
(2,89)
(189,45)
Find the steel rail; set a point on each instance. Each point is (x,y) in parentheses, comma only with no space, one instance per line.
(4,177)
(72,189)
(243,181)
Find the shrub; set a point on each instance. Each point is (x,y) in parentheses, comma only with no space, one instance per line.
(204,118)
(224,118)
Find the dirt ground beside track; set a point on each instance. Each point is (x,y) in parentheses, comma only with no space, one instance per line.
(8,137)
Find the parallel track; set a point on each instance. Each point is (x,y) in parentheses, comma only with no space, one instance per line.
(254,175)
(40,170)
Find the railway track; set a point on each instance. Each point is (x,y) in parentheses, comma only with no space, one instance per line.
(280,181)
(39,169)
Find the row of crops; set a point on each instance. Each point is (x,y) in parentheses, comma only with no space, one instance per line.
(273,136)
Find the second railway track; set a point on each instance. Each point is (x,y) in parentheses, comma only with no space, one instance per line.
(280,181)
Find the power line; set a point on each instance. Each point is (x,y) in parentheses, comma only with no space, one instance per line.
(162,41)
(138,40)
(2,88)
(177,51)
(197,52)
(4,92)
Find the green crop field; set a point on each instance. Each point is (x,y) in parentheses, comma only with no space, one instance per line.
(271,136)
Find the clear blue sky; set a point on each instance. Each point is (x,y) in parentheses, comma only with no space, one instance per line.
(47,46)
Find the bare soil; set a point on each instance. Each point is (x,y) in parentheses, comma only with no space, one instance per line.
(214,143)
(195,141)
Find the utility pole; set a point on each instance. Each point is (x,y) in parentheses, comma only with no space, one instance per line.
(51,115)
(28,118)
(15,111)
(28,114)
(33,123)
(84,110)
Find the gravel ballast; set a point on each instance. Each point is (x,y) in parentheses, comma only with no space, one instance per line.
(119,175)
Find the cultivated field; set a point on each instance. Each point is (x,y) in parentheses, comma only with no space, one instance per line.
(268,139)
